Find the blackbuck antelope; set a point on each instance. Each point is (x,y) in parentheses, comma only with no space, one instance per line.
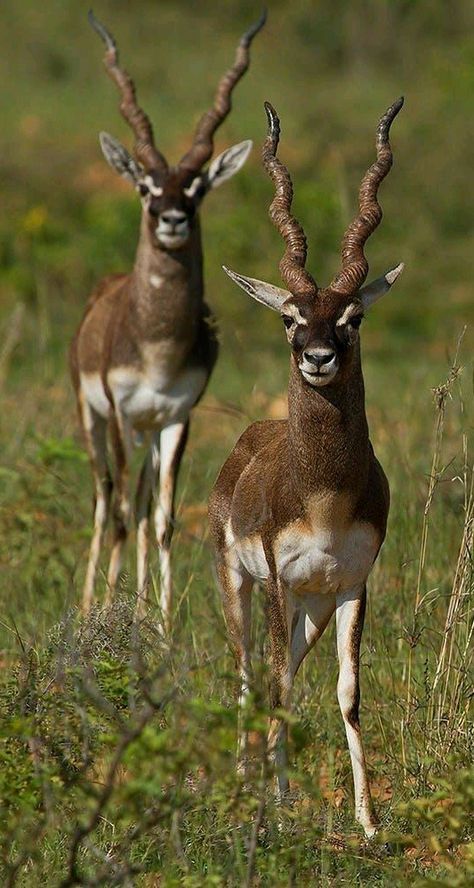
(145,349)
(302,504)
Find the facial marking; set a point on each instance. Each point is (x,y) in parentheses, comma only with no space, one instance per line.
(351,310)
(155,190)
(293,311)
(195,184)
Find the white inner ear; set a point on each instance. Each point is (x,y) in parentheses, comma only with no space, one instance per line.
(119,158)
(228,163)
(269,295)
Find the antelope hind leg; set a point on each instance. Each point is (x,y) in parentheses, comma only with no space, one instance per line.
(281,611)
(235,586)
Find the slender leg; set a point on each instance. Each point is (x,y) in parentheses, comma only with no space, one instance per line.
(95,434)
(172,443)
(235,585)
(280,619)
(144,495)
(121,442)
(309,624)
(350,612)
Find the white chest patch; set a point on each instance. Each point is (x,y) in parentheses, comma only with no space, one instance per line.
(319,561)
(150,398)
(156,281)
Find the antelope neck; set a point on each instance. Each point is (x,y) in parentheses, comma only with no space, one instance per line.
(328,432)
(167,283)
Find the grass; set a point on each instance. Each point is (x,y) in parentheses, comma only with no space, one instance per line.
(71,691)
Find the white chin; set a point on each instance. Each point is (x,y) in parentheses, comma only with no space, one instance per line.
(171,241)
(318,381)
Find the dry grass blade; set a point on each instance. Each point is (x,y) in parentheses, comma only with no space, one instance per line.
(447,692)
(12,337)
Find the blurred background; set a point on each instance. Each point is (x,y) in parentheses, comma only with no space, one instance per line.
(330,68)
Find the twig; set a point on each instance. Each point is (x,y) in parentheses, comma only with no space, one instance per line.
(252,853)
(12,338)
(441,393)
(129,735)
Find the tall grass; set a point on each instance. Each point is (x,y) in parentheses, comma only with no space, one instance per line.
(443,721)
(135,739)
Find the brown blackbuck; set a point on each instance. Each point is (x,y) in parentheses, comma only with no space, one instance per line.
(301,504)
(146,346)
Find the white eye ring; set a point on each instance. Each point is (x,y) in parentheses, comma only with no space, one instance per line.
(351,311)
(195,184)
(148,182)
(293,313)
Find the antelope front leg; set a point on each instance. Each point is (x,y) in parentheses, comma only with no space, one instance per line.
(95,433)
(121,442)
(146,484)
(308,618)
(350,613)
(309,623)
(172,443)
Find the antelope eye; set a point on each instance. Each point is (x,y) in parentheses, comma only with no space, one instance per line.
(346,331)
(143,189)
(288,321)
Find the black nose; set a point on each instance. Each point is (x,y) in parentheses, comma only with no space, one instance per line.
(318,360)
(173,218)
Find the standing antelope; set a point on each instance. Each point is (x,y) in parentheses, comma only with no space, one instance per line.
(302,504)
(145,349)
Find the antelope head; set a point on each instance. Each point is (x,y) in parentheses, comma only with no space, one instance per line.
(170,196)
(322,324)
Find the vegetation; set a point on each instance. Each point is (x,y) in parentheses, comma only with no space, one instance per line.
(116,748)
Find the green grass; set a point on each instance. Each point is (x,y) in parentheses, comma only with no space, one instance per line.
(177,812)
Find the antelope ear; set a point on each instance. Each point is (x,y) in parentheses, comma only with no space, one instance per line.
(228,164)
(271,296)
(119,158)
(373,291)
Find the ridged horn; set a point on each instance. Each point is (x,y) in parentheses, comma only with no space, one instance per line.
(145,149)
(292,266)
(354,264)
(203,141)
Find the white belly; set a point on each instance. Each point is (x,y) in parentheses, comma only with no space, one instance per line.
(149,399)
(320,561)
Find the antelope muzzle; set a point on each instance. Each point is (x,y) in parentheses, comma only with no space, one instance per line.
(173,229)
